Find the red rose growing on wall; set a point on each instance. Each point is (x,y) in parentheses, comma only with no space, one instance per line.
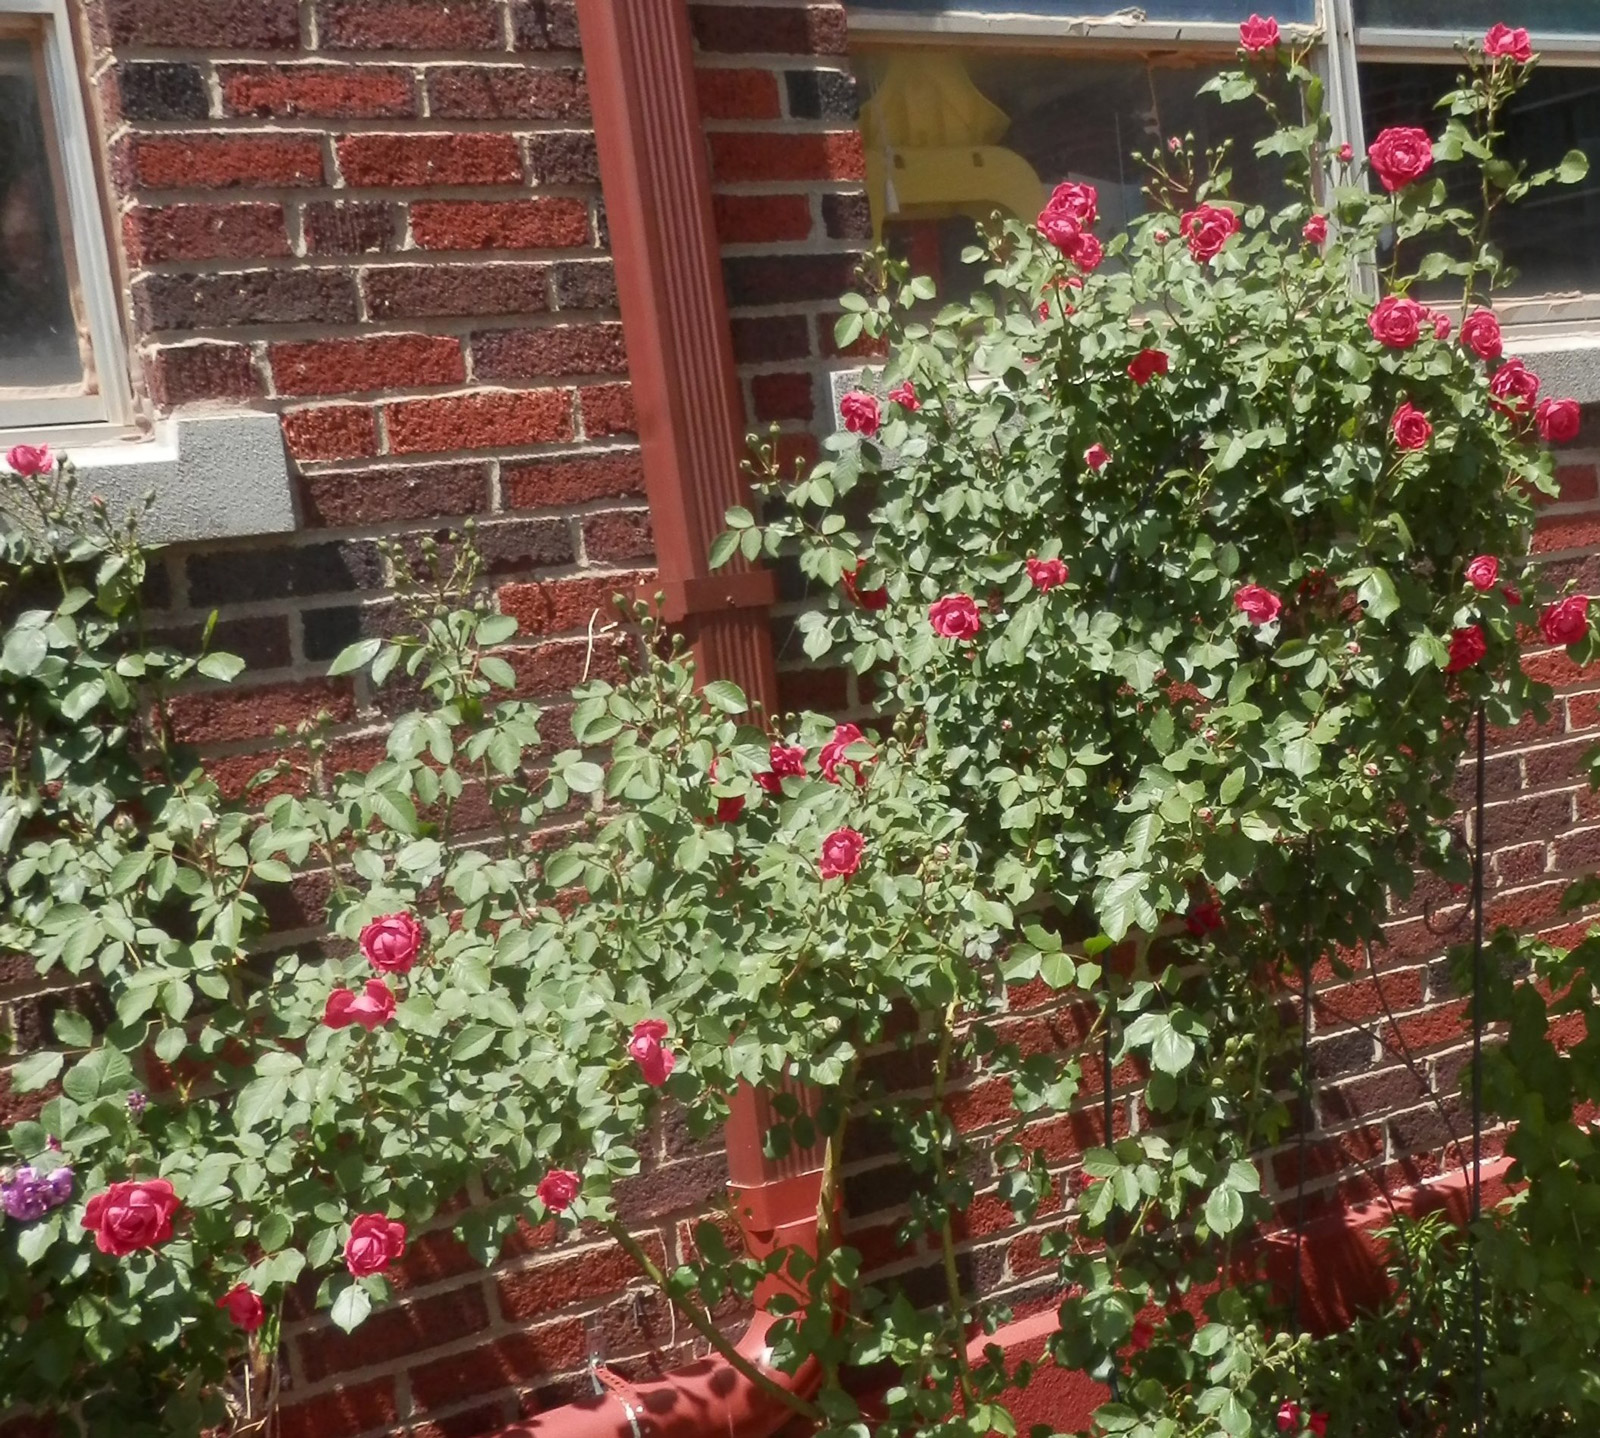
(1411,427)
(955,617)
(1559,420)
(905,396)
(788,761)
(1147,364)
(860,413)
(371,1008)
(1204,917)
(132,1215)
(1400,155)
(31,460)
(1316,230)
(1207,229)
(841,854)
(375,1242)
(1078,202)
(244,1307)
(648,1048)
(558,1188)
(1504,43)
(833,758)
(1480,333)
(1514,388)
(1483,571)
(391,943)
(1086,252)
(1257,34)
(1257,604)
(1396,322)
(1441,325)
(849,581)
(1097,457)
(1467,648)
(1046,573)
(1566,621)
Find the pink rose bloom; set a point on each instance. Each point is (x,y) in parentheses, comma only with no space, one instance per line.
(1559,420)
(1566,621)
(374,1243)
(905,396)
(1316,230)
(788,761)
(1411,427)
(649,1050)
(867,598)
(1207,229)
(860,412)
(1400,155)
(841,853)
(1441,326)
(1146,365)
(1087,252)
(1467,647)
(371,1008)
(1259,605)
(1061,230)
(391,943)
(1483,571)
(1257,34)
(1077,201)
(954,617)
(1514,388)
(1397,322)
(1096,457)
(1480,333)
(832,757)
(244,1307)
(132,1215)
(1046,573)
(558,1188)
(1502,42)
(1346,153)
(31,459)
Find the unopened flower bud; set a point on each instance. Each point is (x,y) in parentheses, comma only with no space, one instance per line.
(1371,771)
(137,1103)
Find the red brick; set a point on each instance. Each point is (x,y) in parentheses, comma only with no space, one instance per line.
(825,690)
(516,1360)
(182,374)
(206,24)
(761,219)
(346,1411)
(407,161)
(493,419)
(786,156)
(545,483)
(981,1106)
(224,161)
(392,1330)
(205,232)
(425,491)
(345,431)
(1555,668)
(607,409)
(565,606)
(1578,483)
(449,291)
(618,536)
(539,224)
(737,94)
(783,396)
(768,30)
(1568,531)
(1578,853)
(350,366)
(506,92)
(408,25)
(767,339)
(1364,999)
(572,1277)
(334,92)
(558,350)
(219,715)
(1527,907)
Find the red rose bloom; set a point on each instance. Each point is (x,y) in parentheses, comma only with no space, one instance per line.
(833,753)
(1086,252)
(1514,388)
(391,943)
(1096,457)
(1060,229)
(1147,364)
(841,854)
(1559,420)
(1504,43)
(1258,605)
(1207,229)
(1144,1331)
(1480,333)
(1288,1418)
(558,1188)
(1441,325)
(1467,647)
(31,459)
(729,808)
(905,396)
(1046,573)
(788,761)
(1400,155)
(1257,34)
(1316,230)
(1318,1423)
(1078,202)
(867,598)
(374,1243)
(1396,322)
(1483,571)
(1411,427)
(1566,621)
(243,1305)
(1346,153)
(1203,918)
(132,1215)
(371,1008)
(649,1050)
(954,617)
(860,412)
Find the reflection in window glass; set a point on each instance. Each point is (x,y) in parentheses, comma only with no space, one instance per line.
(1285,11)
(950,138)
(1553,237)
(1569,16)
(38,336)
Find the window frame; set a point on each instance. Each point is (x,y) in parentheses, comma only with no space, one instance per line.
(107,403)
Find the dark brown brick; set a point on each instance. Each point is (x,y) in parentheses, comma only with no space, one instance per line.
(408,25)
(206,24)
(780,279)
(241,576)
(424,491)
(162,91)
(584,285)
(563,157)
(435,291)
(186,302)
(522,544)
(393,1330)
(545,25)
(847,217)
(506,92)
(352,227)
(183,374)
(617,537)
(765,340)
(560,350)
(748,30)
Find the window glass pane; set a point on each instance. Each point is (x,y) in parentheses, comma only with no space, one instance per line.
(1553,236)
(951,137)
(1285,11)
(38,336)
(1568,16)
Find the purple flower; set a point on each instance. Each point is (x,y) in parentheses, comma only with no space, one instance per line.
(27,1195)
(137,1104)
(60,1186)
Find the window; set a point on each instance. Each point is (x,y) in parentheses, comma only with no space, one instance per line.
(60,347)
(973,105)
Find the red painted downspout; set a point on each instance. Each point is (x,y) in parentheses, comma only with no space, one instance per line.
(639,58)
